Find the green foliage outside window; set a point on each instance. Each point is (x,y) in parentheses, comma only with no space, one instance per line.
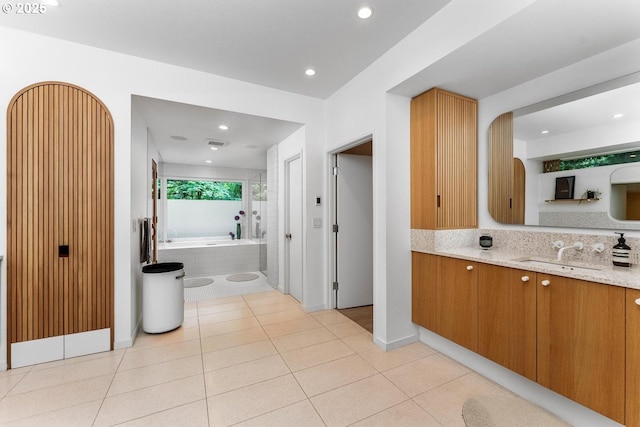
(591,162)
(203,190)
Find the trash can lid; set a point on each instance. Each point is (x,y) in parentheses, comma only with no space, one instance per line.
(162,267)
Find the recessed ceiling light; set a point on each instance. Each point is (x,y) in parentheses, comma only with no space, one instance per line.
(208,161)
(223,127)
(544,132)
(51,2)
(310,72)
(617,116)
(214,148)
(365,12)
(178,138)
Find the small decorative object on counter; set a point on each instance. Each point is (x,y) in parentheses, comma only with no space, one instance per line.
(486,241)
(621,252)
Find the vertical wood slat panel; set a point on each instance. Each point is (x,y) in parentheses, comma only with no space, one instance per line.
(443,161)
(60,191)
(501,168)
(456,157)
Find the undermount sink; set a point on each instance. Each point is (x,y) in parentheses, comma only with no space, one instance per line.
(548,263)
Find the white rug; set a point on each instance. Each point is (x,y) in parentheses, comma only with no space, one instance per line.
(242,277)
(196,282)
(505,411)
(222,288)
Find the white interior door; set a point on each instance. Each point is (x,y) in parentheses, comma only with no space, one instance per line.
(293,233)
(354,214)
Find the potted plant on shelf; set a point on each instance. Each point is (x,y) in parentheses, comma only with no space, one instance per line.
(591,194)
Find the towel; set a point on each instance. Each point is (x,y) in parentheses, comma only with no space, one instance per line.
(145,241)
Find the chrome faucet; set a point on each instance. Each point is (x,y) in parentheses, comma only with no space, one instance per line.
(576,245)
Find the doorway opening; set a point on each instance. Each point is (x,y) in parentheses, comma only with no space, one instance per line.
(353,232)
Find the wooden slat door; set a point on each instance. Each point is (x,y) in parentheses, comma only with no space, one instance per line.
(456,161)
(59,193)
(443,161)
(501,168)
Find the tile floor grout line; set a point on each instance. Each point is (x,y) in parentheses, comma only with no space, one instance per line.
(204,381)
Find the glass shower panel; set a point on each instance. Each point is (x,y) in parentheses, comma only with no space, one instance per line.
(258,221)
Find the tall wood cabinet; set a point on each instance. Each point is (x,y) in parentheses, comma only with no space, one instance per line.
(59,218)
(443,161)
(581,342)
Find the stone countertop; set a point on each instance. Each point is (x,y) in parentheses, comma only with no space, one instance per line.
(610,275)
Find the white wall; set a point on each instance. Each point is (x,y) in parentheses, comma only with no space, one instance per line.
(114,78)
(363,107)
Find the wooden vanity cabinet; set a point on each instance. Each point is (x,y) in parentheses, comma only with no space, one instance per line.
(633,358)
(445,297)
(443,161)
(424,289)
(581,342)
(507,318)
(457,301)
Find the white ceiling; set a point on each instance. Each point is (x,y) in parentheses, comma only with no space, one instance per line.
(247,138)
(271,43)
(541,38)
(267,42)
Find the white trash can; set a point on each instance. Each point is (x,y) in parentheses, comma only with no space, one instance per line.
(162,296)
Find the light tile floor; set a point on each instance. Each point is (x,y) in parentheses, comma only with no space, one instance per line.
(252,360)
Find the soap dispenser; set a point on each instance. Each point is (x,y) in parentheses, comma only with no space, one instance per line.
(621,252)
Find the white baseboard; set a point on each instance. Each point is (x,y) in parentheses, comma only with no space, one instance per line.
(392,345)
(129,342)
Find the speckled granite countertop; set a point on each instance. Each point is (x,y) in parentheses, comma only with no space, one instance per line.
(610,275)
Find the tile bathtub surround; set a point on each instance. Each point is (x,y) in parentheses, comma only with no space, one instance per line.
(251,360)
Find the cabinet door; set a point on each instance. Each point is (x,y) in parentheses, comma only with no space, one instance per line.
(507,318)
(633,357)
(423,289)
(456,161)
(457,306)
(581,342)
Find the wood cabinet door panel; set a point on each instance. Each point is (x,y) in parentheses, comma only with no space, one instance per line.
(581,342)
(633,358)
(423,289)
(457,301)
(507,318)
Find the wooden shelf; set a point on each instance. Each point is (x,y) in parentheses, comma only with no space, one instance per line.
(577,201)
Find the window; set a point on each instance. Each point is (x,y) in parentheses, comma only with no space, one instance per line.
(202,208)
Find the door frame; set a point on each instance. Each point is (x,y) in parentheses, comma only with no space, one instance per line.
(332,206)
(287,287)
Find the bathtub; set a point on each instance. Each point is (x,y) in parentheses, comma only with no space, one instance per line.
(212,256)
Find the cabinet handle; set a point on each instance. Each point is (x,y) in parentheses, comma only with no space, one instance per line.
(638,301)
(469,267)
(525,278)
(546,282)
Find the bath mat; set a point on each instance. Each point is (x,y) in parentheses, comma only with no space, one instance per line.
(221,288)
(197,282)
(506,411)
(243,277)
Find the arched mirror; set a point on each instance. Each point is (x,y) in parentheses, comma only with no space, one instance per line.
(590,138)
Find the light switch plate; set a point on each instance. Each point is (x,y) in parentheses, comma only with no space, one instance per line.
(317,223)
